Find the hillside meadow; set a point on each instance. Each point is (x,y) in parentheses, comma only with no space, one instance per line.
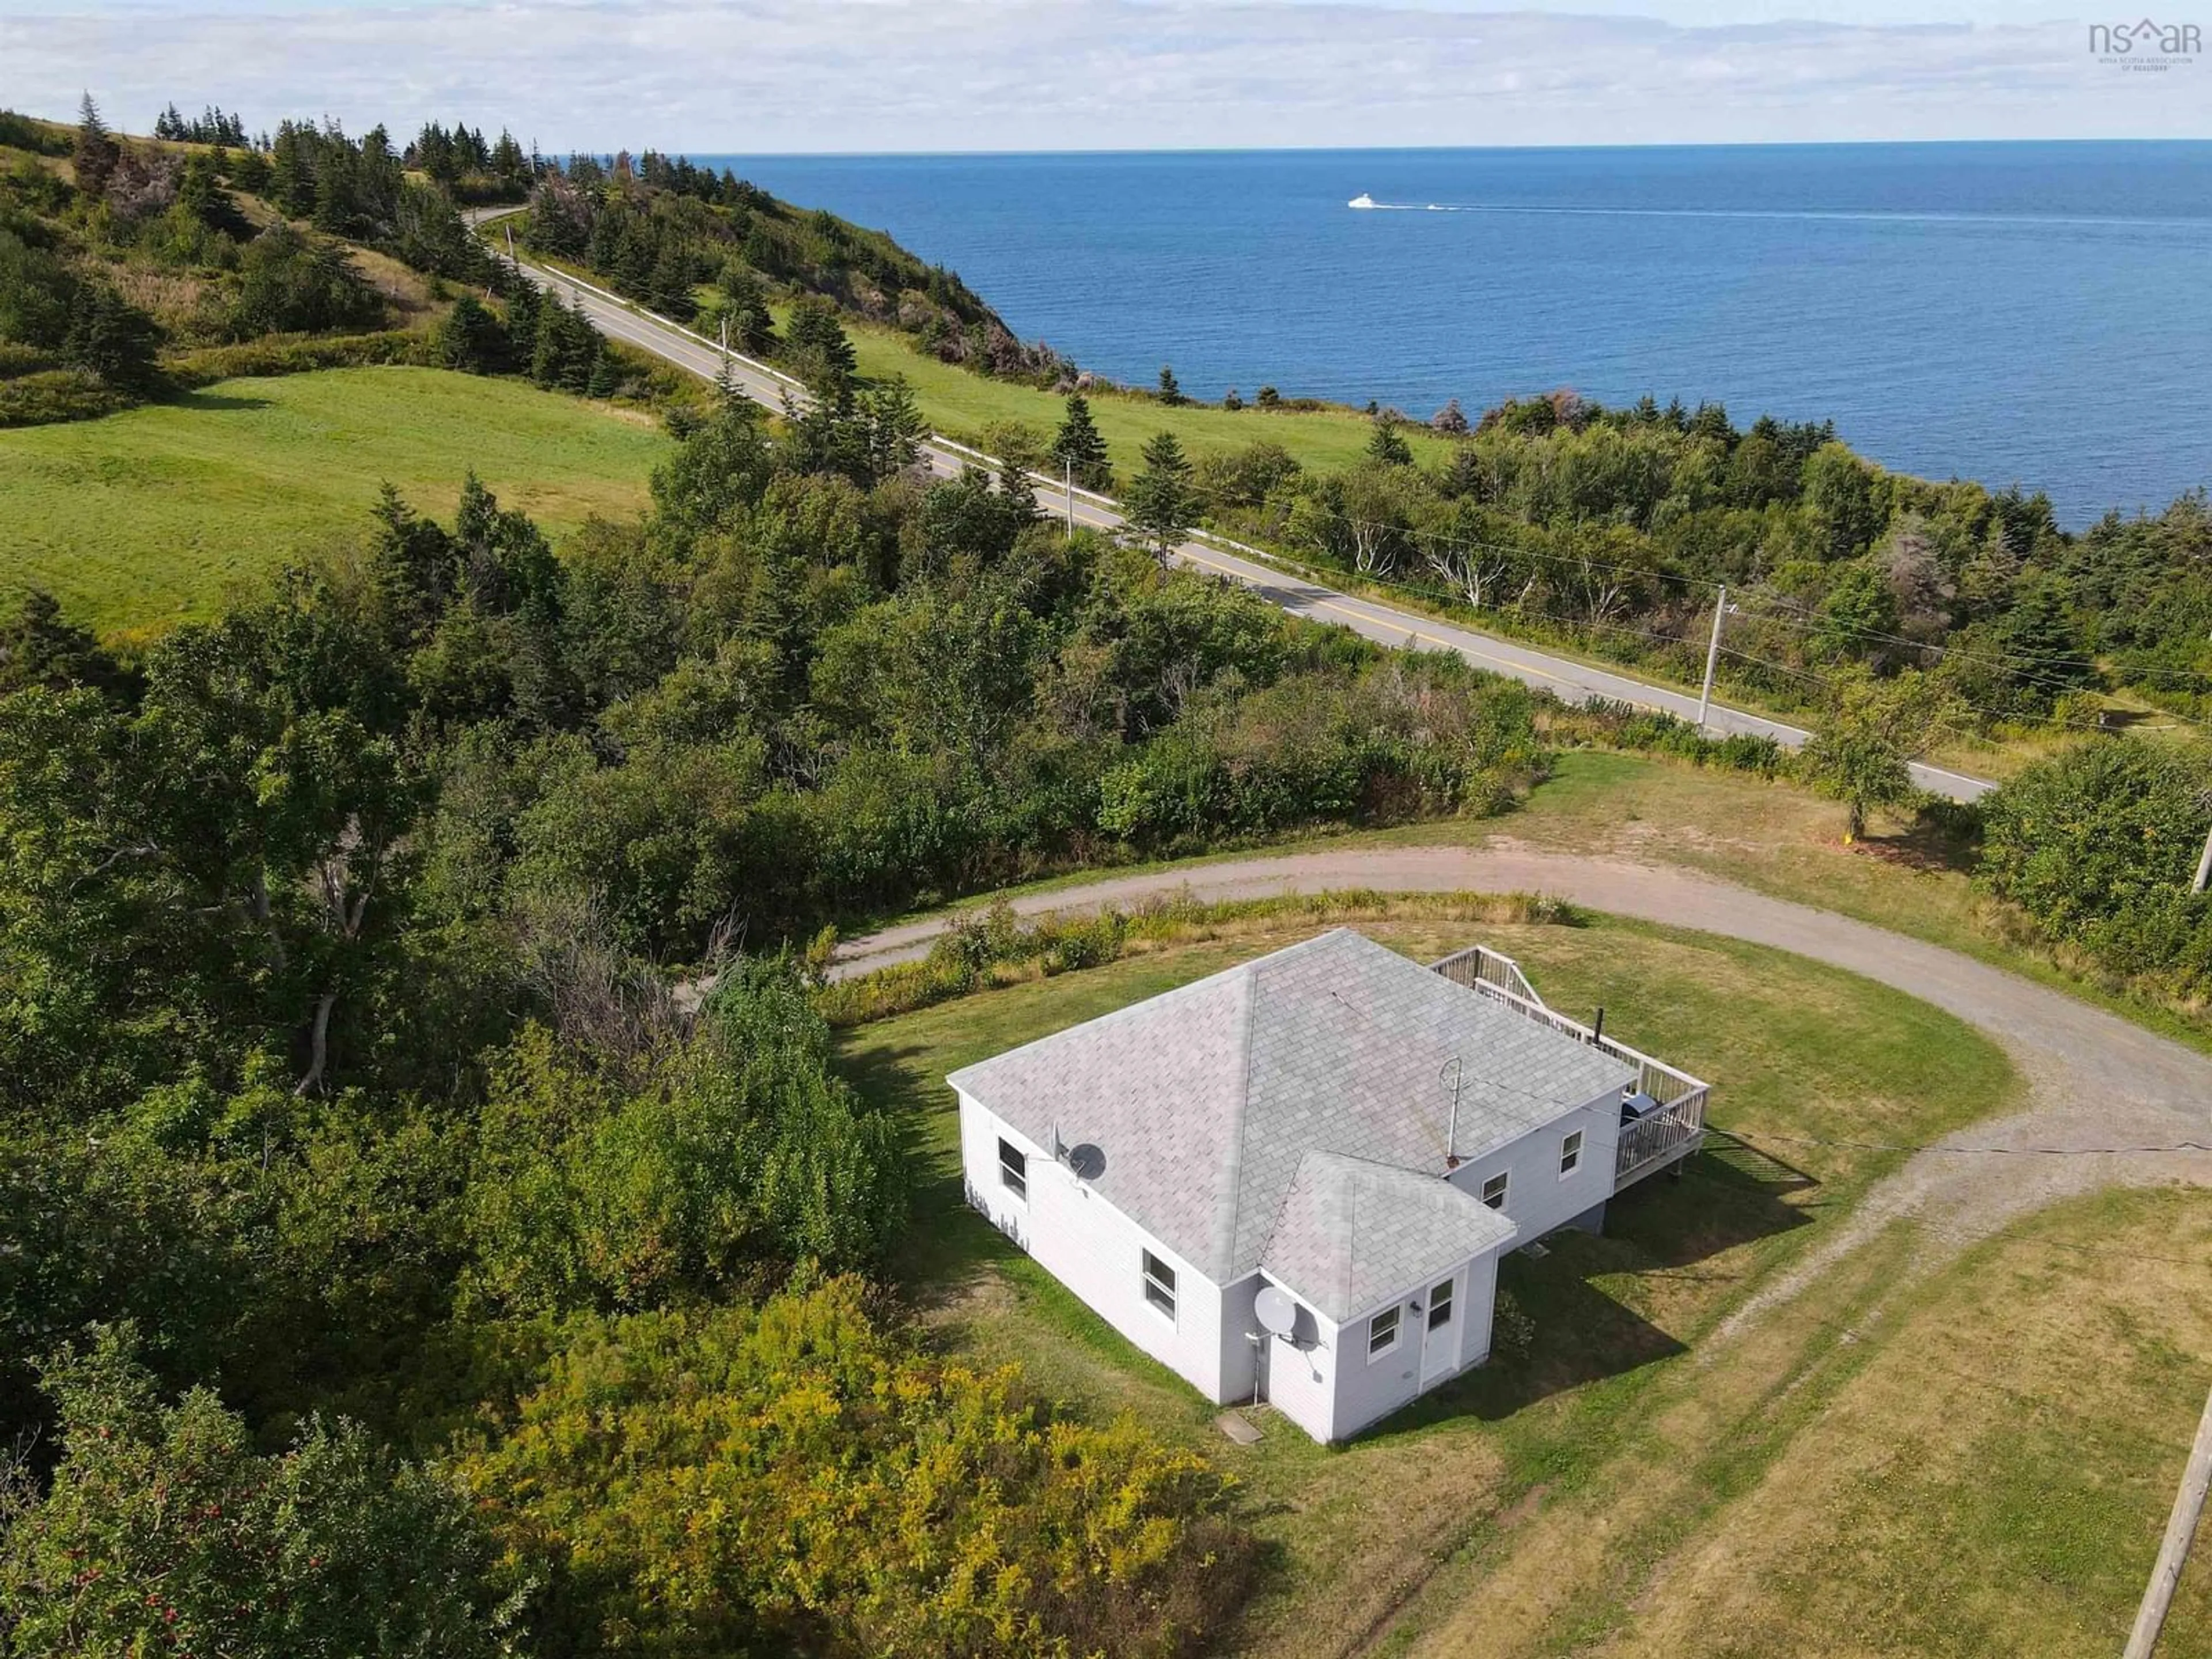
(964,404)
(148,517)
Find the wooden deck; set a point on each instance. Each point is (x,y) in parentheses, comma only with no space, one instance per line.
(1667,1135)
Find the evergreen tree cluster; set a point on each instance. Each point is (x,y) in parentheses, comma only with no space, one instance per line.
(72,246)
(656,229)
(212,125)
(359,190)
(470,167)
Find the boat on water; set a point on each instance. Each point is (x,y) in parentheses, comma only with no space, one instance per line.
(1362,200)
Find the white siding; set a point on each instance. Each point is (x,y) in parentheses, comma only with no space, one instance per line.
(1097,1252)
(1536,1196)
(1480,1291)
(1302,1374)
(1240,1355)
(1366,1388)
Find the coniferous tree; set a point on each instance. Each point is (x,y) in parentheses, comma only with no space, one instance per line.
(1161,503)
(1079,448)
(1170,391)
(524,305)
(111,337)
(819,351)
(1387,447)
(752,326)
(38,647)
(291,173)
(894,428)
(470,338)
(97,152)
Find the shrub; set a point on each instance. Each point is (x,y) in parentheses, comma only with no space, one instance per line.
(2097,845)
(296,357)
(866,1498)
(39,138)
(740,1153)
(1397,739)
(65,394)
(165,1531)
(292,283)
(1624,726)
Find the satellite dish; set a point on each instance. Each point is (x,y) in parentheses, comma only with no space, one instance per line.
(1277,1310)
(1088,1161)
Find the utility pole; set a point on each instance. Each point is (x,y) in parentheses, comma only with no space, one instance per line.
(1712,658)
(2204,867)
(1069,481)
(2173,1554)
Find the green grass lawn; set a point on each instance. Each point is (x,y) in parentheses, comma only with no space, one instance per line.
(148,517)
(1994,1476)
(962,404)
(1791,1048)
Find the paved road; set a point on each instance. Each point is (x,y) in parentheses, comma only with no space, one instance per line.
(2093,1080)
(1573,682)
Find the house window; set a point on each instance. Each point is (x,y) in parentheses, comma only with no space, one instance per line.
(1014,1170)
(1571,1153)
(1493,1191)
(1159,1284)
(1382,1333)
(1440,1305)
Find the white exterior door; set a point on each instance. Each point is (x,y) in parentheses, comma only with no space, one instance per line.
(1443,1309)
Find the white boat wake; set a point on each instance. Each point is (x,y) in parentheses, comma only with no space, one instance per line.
(2180,221)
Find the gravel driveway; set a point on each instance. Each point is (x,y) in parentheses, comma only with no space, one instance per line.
(2094,1080)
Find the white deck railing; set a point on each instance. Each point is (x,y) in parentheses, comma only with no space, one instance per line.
(1479,968)
(1672,1132)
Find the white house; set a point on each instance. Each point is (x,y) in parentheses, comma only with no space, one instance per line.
(1293,1181)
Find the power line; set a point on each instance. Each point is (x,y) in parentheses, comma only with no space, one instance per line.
(1807,622)
(1568,624)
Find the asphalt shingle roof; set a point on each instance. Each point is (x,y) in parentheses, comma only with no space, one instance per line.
(1206,1100)
(1353,1235)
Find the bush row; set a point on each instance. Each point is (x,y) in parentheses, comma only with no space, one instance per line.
(994,943)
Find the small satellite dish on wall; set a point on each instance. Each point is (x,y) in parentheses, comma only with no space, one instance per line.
(1088,1161)
(1278,1311)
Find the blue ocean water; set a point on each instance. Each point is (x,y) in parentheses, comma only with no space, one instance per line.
(2031,312)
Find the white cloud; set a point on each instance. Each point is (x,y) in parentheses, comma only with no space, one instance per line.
(882,75)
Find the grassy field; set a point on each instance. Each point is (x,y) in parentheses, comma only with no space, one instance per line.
(962,405)
(150,516)
(1993,1477)
(1792,1049)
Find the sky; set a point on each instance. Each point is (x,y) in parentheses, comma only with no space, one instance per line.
(754,76)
